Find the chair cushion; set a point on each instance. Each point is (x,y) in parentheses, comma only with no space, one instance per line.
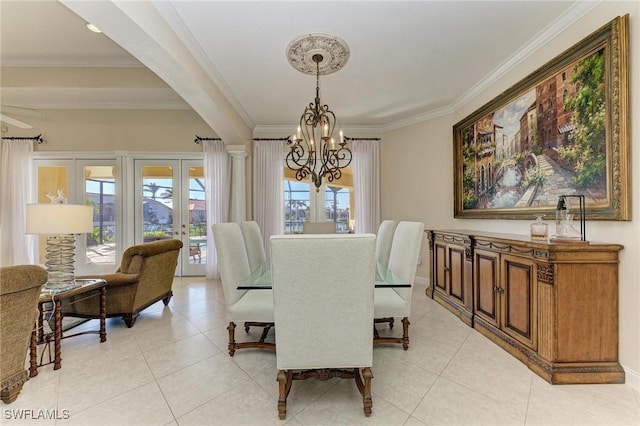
(254,305)
(388,303)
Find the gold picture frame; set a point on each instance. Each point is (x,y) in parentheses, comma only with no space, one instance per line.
(562,130)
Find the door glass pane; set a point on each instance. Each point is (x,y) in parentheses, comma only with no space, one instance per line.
(157,202)
(197,216)
(99,192)
(337,207)
(296,205)
(52,181)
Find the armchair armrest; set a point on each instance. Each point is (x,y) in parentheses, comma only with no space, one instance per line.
(117,279)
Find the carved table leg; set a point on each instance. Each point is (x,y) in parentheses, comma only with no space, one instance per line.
(57,341)
(40,323)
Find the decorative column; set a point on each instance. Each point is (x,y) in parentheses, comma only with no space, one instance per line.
(238,203)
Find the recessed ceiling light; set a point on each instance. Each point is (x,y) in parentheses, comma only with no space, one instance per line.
(93,28)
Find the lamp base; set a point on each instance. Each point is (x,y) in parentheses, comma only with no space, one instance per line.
(60,262)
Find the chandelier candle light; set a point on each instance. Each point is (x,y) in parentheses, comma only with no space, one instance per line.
(313,150)
(59,222)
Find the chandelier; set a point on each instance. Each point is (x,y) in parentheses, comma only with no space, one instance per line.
(313,150)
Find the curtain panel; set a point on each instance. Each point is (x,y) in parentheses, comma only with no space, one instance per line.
(366,185)
(268,189)
(217,170)
(16,248)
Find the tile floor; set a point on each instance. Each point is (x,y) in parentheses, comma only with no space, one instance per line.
(172,368)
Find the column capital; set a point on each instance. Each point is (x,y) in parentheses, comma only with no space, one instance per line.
(237,151)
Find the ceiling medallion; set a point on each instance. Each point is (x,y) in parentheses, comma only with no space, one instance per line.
(333,50)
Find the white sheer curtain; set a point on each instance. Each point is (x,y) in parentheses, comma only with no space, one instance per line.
(268,189)
(366,185)
(217,171)
(16,248)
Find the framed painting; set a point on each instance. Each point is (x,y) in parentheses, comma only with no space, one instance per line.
(562,130)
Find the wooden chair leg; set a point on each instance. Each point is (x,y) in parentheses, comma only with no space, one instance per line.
(130,319)
(284,387)
(405,333)
(166,300)
(363,382)
(232,341)
(13,386)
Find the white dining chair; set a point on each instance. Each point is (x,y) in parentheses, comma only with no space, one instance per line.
(384,238)
(403,261)
(323,307)
(319,227)
(254,244)
(252,306)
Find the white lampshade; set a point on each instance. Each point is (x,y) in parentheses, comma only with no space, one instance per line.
(51,219)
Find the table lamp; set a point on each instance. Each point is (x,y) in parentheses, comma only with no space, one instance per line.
(60,222)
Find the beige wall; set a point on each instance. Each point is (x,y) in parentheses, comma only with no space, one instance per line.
(417,173)
(118,129)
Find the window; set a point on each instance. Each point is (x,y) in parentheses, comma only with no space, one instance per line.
(296,205)
(337,203)
(333,202)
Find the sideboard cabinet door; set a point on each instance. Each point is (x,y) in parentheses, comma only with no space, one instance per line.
(519,297)
(486,291)
(451,274)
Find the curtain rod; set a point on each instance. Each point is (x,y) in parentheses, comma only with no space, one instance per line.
(198,139)
(33,138)
(347,138)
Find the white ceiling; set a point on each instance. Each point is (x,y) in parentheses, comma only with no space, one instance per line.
(408,59)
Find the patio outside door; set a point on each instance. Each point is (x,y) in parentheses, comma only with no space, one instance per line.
(170,204)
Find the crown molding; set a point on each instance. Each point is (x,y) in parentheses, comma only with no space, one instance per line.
(568,18)
(112,105)
(562,22)
(74,63)
(429,115)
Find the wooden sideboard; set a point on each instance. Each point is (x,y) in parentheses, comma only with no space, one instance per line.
(554,306)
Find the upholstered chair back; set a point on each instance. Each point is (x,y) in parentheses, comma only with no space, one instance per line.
(403,257)
(323,300)
(254,244)
(383,241)
(319,227)
(19,292)
(233,261)
(155,262)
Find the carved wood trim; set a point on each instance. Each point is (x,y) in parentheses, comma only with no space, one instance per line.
(544,273)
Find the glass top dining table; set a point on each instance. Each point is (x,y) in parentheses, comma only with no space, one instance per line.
(260,279)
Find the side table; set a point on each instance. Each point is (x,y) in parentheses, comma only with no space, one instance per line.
(84,289)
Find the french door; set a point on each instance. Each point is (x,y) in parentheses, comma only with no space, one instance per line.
(169,203)
(85,181)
